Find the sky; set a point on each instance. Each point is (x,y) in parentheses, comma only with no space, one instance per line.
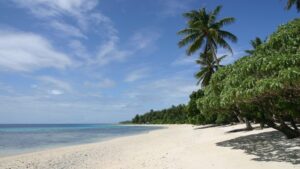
(103,61)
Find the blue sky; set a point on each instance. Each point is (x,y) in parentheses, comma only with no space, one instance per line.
(89,61)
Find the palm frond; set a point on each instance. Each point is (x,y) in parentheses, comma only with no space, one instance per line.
(188,39)
(250,52)
(228,35)
(187,31)
(225,45)
(222,57)
(225,21)
(191,15)
(197,44)
(290,3)
(214,14)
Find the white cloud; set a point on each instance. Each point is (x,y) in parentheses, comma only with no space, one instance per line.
(84,13)
(55,8)
(137,75)
(20,51)
(105,83)
(175,7)
(78,49)
(109,52)
(184,60)
(54,82)
(230,58)
(56,92)
(67,29)
(4,88)
(174,89)
(144,38)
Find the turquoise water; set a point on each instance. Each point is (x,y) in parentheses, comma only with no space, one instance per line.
(22,138)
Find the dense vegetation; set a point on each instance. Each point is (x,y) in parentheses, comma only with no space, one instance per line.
(173,115)
(263,86)
(183,114)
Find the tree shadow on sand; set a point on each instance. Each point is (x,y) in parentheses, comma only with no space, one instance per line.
(206,126)
(268,146)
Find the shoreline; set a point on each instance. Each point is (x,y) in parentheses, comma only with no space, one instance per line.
(175,146)
(12,153)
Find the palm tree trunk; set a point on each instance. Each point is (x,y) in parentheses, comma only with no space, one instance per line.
(209,47)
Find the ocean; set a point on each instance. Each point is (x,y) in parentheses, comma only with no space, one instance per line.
(23,138)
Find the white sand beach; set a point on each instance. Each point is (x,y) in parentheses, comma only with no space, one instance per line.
(175,147)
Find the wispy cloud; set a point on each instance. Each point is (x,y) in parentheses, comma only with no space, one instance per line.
(110,51)
(230,58)
(175,7)
(56,92)
(105,83)
(78,49)
(67,29)
(184,61)
(56,8)
(86,18)
(144,38)
(21,51)
(137,75)
(55,83)
(174,89)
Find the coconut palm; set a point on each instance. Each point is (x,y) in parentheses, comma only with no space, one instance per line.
(208,66)
(254,43)
(205,31)
(290,3)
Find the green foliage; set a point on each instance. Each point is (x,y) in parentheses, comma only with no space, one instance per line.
(255,44)
(205,31)
(208,66)
(223,118)
(173,115)
(203,27)
(267,82)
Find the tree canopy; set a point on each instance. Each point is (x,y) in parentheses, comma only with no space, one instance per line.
(268,82)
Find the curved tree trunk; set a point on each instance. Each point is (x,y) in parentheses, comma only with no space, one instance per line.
(238,116)
(293,123)
(262,121)
(248,124)
(285,129)
(262,125)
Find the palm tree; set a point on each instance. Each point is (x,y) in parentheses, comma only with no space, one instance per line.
(290,3)
(254,43)
(204,30)
(208,66)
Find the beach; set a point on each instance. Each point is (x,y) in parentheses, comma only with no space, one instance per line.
(173,147)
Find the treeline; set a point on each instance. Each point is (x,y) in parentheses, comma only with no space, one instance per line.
(183,114)
(173,115)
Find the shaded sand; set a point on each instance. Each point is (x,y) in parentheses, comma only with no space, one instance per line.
(176,147)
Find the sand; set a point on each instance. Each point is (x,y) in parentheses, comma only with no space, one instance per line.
(175,147)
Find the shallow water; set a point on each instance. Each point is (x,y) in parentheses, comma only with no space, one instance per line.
(22,138)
